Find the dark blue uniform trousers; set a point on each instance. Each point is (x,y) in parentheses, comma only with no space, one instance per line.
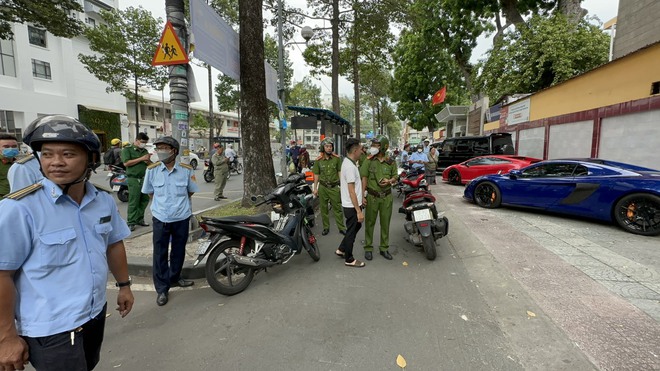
(177,233)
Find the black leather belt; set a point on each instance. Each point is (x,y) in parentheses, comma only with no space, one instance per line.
(329,184)
(382,194)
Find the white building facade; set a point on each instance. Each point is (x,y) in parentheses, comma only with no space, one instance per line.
(40,74)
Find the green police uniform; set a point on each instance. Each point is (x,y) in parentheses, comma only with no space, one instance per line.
(5,164)
(137,201)
(379,199)
(326,170)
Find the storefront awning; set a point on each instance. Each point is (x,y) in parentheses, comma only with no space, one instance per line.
(451,113)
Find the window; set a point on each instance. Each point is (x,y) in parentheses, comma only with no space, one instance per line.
(41,69)
(91,22)
(37,36)
(655,88)
(7,124)
(549,170)
(7,63)
(481,145)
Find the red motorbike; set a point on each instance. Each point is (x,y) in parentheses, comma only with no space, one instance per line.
(411,181)
(423,224)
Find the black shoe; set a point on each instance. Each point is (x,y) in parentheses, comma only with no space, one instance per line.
(386,254)
(341,231)
(182,283)
(131,227)
(325,231)
(368,255)
(222,197)
(143,223)
(161,299)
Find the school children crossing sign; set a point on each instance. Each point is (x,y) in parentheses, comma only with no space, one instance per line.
(169,51)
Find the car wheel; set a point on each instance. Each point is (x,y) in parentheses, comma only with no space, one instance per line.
(193,163)
(639,213)
(454,177)
(486,194)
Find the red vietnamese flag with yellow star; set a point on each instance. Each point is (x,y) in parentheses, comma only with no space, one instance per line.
(439,96)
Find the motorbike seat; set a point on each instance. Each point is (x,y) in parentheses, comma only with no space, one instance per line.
(263,219)
(419,196)
(414,182)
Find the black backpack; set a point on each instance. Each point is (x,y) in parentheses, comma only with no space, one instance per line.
(109,157)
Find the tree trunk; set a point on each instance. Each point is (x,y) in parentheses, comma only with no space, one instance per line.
(259,175)
(572,10)
(511,12)
(335,56)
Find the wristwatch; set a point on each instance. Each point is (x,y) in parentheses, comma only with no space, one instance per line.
(124,284)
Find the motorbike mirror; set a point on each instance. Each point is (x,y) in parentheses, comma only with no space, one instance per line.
(256,198)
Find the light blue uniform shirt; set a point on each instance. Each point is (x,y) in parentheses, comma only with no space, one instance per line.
(23,175)
(58,250)
(416,156)
(170,189)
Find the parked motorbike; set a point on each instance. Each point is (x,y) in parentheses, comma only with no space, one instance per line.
(239,247)
(118,182)
(208,171)
(411,181)
(423,224)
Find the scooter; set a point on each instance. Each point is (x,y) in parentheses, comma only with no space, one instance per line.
(238,247)
(423,224)
(411,181)
(118,182)
(208,171)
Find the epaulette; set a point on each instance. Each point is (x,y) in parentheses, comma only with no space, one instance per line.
(319,158)
(24,191)
(186,166)
(153,165)
(102,188)
(370,157)
(24,159)
(335,155)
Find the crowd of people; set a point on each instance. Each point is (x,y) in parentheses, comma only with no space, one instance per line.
(85,239)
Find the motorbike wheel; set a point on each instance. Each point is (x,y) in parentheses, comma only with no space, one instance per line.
(311,244)
(208,176)
(429,247)
(239,168)
(224,277)
(193,163)
(122,195)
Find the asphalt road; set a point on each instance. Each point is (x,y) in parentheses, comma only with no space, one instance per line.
(325,316)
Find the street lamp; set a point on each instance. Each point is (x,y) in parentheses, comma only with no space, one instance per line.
(307,33)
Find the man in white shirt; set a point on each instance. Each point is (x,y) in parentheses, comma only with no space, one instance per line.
(350,186)
(230,154)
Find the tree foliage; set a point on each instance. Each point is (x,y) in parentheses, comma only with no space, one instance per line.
(305,93)
(546,52)
(422,67)
(54,16)
(124,46)
(227,93)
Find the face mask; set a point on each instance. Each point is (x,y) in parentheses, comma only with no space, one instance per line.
(162,156)
(10,152)
(373,151)
(142,145)
(328,152)
(419,150)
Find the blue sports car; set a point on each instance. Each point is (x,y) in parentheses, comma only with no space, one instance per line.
(593,188)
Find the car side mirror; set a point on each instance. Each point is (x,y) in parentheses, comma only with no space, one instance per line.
(514,174)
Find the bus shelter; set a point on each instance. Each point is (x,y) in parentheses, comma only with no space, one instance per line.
(329,124)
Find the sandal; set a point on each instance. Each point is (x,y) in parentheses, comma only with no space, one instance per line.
(355,263)
(340,253)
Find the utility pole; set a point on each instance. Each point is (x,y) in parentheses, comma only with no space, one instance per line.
(210,109)
(179,77)
(280,70)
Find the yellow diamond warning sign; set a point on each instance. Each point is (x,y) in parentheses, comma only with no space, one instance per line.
(170,50)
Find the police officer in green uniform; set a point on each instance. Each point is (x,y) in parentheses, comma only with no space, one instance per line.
(379,173)
(8,153)
(327,168)
(136,159)
(363,156)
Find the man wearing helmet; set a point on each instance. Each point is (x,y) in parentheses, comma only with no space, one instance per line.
(53,274)
(327,170)
(379,173)
(116,153)
(220,165)
(170,185)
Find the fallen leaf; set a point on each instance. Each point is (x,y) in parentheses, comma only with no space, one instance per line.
(401,361)
(405,264)
(117,366)
(531,314)
(108,315)
(464,317)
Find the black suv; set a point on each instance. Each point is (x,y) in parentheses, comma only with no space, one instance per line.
(458,149)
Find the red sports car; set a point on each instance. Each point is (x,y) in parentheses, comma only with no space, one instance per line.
(492,164)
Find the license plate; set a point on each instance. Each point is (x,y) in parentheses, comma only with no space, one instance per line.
(115,188)
(274,216)
(421,215)
(202,247)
